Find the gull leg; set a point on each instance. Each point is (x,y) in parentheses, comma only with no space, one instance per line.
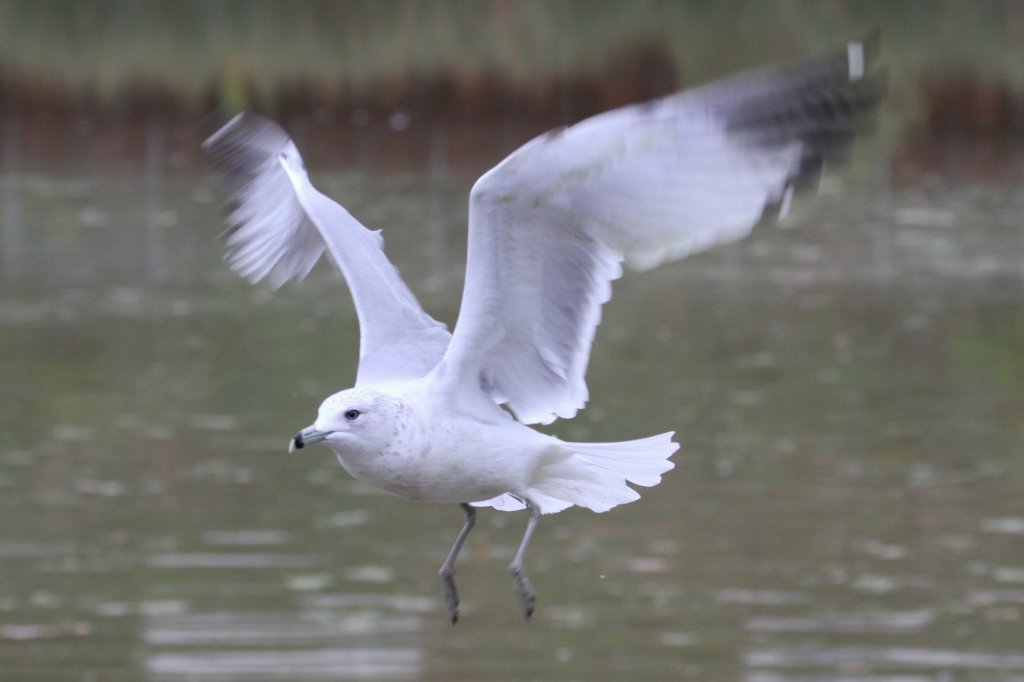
(522,584)
(447,572)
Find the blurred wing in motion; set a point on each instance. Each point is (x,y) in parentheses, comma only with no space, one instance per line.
(280,225)
(550,225)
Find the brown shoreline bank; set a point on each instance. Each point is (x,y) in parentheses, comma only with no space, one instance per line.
(340,115)
(460,120)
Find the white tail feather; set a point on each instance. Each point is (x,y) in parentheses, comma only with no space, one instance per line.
(594,475)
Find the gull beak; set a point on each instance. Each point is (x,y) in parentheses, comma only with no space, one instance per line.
(307,436)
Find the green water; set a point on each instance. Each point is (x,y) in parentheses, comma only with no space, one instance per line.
(848,501)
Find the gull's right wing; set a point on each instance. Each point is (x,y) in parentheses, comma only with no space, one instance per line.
(280,225)
(645,184)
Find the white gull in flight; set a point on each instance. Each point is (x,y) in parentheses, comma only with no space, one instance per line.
(439,417)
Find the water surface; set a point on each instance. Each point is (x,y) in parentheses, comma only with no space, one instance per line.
(848,501)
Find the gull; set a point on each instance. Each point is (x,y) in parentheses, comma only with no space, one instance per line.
(447,417)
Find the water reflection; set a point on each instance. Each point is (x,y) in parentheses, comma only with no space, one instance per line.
(312,664)
(899,622)
(900,657)
(156,218)
(13,263)
(847,503)
(328,620)
(255,629)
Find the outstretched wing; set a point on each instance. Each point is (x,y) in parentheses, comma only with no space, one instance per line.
(280,225)
(550,225)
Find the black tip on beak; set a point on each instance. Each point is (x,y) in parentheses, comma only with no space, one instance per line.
(307,436)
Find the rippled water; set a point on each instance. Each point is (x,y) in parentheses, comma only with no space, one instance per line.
(848,502)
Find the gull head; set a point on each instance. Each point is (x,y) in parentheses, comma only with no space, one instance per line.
(352,421)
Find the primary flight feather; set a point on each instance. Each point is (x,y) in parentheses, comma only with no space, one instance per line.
(549,230)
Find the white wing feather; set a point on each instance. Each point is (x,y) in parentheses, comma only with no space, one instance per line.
(281,225)
(550,225)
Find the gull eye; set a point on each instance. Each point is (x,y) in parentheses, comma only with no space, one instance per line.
(352,415)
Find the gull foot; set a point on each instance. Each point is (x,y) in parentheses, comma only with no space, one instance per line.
(525,592)
(451,595)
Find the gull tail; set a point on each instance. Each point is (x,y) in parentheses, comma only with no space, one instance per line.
(594,475)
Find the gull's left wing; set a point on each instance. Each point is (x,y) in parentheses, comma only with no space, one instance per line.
(550,225)
(280,225)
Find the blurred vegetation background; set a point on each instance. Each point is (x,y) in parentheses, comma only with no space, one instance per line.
(955,64)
